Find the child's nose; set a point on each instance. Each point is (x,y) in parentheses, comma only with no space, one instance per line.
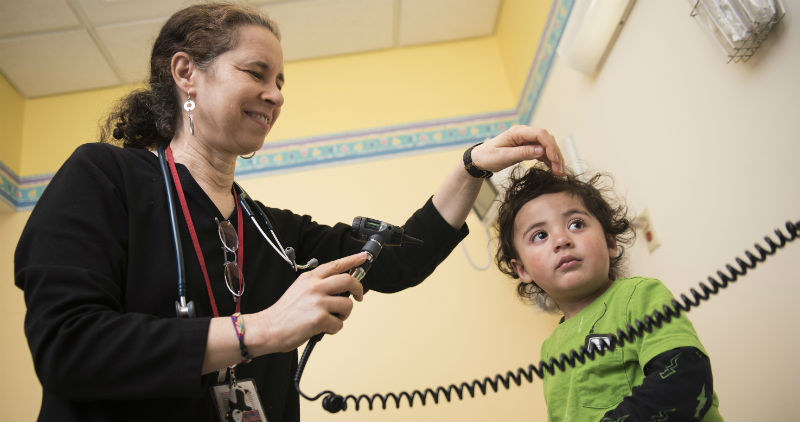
(563,241)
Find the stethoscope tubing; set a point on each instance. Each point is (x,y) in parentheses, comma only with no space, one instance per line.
(247,204)
(173,218)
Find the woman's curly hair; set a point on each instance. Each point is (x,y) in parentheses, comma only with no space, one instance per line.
(148,117)
(524,186)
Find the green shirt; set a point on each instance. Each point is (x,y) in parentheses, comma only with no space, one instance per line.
(589,390)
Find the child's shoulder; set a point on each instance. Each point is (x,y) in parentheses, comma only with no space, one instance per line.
(637,285)
(638,295)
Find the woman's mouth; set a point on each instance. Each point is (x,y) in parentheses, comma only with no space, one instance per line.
(262,119)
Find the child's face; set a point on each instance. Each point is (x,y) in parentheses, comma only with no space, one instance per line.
(562,247)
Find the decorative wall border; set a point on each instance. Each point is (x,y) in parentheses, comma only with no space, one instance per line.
(21,193)
(300,153)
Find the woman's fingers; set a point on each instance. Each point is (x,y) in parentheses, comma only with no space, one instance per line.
(517,144)
(334,279)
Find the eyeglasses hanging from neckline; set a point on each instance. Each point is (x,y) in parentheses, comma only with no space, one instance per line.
(231,269)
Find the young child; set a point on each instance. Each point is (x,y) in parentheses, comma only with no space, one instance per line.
(563,239)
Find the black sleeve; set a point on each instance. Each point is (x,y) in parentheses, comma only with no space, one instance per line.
(400,267)
(678,386)
(71,262)
(397,267)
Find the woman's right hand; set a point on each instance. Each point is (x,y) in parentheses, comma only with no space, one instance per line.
(310,306)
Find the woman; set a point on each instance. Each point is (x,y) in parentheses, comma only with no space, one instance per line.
(97,262)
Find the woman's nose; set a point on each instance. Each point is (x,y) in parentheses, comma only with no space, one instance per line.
(273,95)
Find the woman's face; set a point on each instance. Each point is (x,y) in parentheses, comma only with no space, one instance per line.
(239,95)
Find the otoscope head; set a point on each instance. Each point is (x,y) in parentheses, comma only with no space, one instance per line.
(364,228)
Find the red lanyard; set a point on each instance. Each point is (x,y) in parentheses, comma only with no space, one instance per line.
(193,234)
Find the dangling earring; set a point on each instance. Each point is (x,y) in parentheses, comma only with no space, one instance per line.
(249,156)
(189,106)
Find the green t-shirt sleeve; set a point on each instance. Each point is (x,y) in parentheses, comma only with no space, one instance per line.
(648,296)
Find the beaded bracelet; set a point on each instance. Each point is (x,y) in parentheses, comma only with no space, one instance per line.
(238,326)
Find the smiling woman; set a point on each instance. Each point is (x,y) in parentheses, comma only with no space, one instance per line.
(97,258)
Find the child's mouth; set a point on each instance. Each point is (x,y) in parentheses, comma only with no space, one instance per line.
(567,262)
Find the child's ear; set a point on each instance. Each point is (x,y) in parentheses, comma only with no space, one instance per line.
(520,270)
(613,250)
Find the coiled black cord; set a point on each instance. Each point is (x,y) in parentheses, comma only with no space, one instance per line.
(333,402)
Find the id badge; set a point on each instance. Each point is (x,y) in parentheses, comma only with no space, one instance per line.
(238,403)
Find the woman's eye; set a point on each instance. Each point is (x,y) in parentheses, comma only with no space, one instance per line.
(254,74)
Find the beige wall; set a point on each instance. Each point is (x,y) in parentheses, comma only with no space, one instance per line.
(711,150)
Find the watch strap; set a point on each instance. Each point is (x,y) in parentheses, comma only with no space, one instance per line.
(471,168)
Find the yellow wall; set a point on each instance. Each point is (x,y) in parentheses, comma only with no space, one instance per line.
(322,96)
(516,38)
(20,400)
(12,108)
(393,87)
(461,324)
(54,126)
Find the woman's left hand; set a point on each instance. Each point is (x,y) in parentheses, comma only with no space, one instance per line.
(519,143)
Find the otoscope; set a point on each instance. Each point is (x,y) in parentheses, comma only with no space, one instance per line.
(377,234)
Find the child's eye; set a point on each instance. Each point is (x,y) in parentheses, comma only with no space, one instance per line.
(539,236)
(577,225)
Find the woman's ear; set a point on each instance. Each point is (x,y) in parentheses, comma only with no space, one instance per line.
(183,71)
(521,272)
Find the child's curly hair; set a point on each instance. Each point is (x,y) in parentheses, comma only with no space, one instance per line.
(525,186)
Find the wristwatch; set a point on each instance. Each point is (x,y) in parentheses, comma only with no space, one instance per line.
(471,168)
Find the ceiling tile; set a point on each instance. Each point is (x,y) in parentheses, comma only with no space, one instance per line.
(426,21)
(26,16)
(317,28)
(53,63)
(129,46)
(104,12)
(45,48)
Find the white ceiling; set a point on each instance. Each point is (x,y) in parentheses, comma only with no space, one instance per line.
(57,46)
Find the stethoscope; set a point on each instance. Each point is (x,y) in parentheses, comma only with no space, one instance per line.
(184,308)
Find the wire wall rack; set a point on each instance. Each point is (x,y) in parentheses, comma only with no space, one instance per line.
(738,26)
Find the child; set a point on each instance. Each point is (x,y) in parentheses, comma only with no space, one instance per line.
(564,241)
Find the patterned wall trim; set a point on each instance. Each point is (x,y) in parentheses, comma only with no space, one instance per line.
(21,193)
(375,143)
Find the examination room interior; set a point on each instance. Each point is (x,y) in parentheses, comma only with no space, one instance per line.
(709,149)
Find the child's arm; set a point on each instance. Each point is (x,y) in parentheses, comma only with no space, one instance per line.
(678,385)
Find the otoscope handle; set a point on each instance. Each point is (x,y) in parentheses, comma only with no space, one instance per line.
(372,248)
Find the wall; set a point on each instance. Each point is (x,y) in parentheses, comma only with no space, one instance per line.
(514,37)
(461,324)
(711,150)
(11,112)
